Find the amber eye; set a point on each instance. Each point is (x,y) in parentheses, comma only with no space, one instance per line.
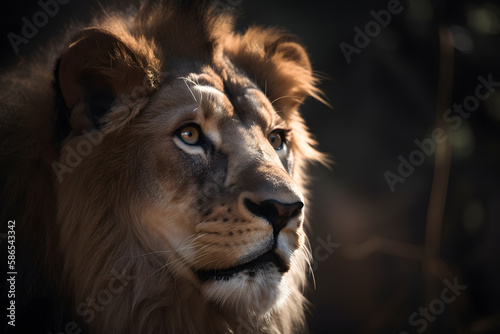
(190,134)
(277,139)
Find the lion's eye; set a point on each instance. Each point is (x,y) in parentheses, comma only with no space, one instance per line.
(190,134)
(277,139)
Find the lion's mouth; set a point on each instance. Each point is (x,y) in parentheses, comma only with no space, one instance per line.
(252,267)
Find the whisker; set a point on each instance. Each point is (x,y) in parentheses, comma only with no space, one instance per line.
(185,82)
(284,97)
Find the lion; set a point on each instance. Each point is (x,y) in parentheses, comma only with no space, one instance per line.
(154,164)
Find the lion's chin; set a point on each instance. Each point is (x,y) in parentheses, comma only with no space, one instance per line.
(256,290)
(250,268)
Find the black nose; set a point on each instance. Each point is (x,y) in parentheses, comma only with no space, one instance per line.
(276,213)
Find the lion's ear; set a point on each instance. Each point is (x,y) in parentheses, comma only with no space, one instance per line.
(99,67)
(288,48)
(280,65)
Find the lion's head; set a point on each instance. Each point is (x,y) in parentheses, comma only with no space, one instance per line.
(181,174)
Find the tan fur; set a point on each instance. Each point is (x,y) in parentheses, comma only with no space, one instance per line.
(134,219)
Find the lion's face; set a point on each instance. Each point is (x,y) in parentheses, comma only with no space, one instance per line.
(194,187)
(225,202)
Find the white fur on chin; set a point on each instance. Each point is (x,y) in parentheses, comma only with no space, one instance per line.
(246,295)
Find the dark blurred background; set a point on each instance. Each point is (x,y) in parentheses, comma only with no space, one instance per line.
(384,259)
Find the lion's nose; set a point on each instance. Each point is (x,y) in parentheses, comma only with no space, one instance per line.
(276,213)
